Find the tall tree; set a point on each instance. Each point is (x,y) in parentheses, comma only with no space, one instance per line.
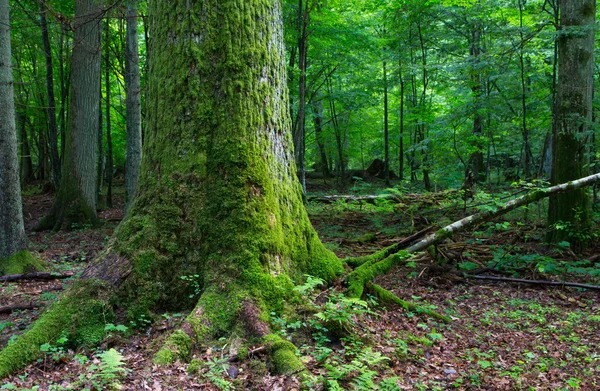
(51,109)
(109,144)
(218,195)
(14,257)
(75,201)
(573,115)
(133,103)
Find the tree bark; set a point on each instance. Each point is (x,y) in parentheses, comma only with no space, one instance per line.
(12,231)
(109,145)
(14,257)
(476,163)
(318,123)
(133,104)
(75,202)
(573,114)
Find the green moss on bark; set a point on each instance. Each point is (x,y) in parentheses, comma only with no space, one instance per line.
(19,263)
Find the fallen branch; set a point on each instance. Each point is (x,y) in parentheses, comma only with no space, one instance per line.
(7,309)
(482,217)
(352,198)
(386,252)
(388,297)
(537,282)
(36,276)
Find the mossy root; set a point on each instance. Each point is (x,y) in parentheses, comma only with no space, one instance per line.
(79,314)
(357,279)
(283,355)
(386,297)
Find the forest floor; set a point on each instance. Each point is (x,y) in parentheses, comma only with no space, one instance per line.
(503,336)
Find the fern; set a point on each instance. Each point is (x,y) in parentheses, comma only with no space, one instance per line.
(389,384)
(110,369)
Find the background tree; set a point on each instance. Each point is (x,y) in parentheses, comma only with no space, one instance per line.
(133,103)
(14,257)
(569,213)
(75,201)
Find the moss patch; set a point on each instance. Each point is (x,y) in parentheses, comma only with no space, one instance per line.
(177,347)
(283,355)
(20,263)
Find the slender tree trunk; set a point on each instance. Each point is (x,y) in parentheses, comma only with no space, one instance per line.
(524,129)
(476,162)
(75,202)
(63,92)
(109,146)
(573,114)
(100,204)
(13,241)
(51,110)
(318,123)
(300,137)
(26,165)
(401,135)
(133,104)
(386,130)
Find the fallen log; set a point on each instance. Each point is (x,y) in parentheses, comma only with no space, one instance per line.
(487,215)
(384,260)
(36,276)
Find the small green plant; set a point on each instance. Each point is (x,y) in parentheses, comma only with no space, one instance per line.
(217,367)
(56,352)
(109,371)
(194,281)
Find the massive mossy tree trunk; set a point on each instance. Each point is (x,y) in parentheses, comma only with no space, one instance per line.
(75,202)
(218,195)
(13,243)
(133,103)
(573,114)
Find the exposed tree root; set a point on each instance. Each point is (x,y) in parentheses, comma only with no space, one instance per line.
(388,297)
(230,314)
(366,272)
